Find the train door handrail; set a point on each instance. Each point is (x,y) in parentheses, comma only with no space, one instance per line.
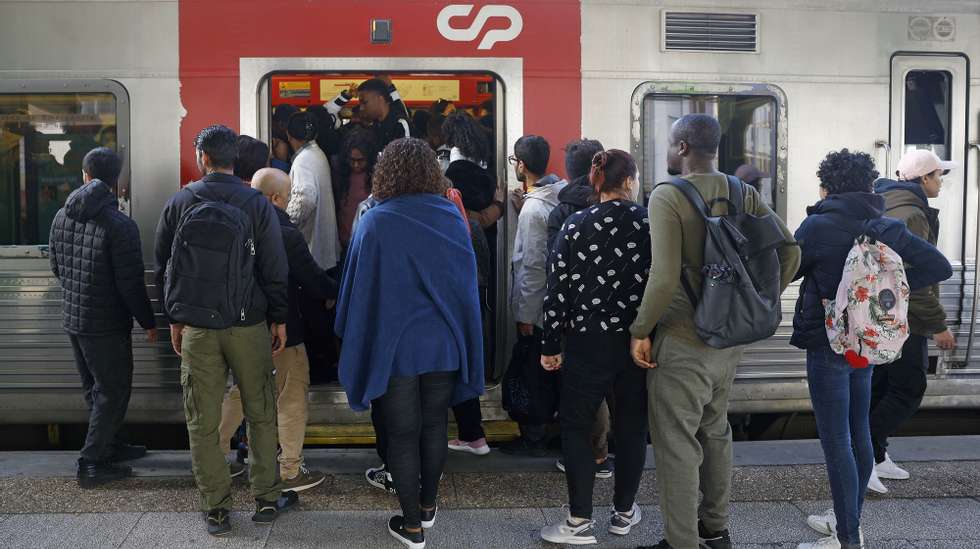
(975,145)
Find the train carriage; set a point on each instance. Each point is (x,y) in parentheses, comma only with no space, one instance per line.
(145,76)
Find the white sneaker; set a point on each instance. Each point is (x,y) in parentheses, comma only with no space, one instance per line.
(830,542)
(621,523)
(477,447)
(570,534)
(875,485)
(888,469)
(825,524)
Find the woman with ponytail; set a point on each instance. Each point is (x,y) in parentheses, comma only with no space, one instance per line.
(596,276)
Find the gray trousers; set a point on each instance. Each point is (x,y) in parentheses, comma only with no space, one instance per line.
(692,440)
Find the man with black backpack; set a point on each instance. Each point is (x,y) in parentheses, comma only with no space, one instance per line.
(691,364)
(222,266)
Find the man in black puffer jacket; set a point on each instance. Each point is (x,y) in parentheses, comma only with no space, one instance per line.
(577,194)
(95,253)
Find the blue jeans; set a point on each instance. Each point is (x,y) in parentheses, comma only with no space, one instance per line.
(841,398)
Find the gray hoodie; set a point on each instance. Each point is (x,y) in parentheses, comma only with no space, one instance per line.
(528,266)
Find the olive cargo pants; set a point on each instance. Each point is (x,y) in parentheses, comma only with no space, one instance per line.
(207,356)
(692,440)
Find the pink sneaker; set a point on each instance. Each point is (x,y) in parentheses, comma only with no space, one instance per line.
(478,447)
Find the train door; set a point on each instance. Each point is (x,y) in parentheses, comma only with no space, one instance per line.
(488,88)
(929,102)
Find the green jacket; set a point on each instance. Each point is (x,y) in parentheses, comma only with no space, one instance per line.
(677,235)
(906,202)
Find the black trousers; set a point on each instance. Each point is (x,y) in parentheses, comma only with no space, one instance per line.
(415,412)
(321,348)
(105,364)
(469,419)
(377,421)
(594,364)
(896,392)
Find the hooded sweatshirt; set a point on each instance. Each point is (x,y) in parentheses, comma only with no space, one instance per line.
(574,197)
(907,202)
(528,265)
(95,253)
(827,235)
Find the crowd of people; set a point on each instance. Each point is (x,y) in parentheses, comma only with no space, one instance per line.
(363,244)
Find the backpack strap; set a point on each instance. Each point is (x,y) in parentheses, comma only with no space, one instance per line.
(736,195)
(700,206)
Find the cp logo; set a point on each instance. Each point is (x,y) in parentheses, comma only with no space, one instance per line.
(473,31)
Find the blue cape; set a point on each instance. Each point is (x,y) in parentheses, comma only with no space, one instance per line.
(410,264)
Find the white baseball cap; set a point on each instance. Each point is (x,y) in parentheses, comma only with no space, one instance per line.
(919,162)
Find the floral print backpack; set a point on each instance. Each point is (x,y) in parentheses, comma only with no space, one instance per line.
(867,322)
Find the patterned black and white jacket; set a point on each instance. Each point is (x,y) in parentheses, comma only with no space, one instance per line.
(597,272)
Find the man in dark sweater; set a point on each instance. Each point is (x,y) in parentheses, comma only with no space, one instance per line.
(292,368)
(95,253)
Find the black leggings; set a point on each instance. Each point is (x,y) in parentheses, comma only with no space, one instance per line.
(896,392)
(415,413)
(594,364)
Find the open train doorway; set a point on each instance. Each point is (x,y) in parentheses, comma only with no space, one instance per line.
(488,89)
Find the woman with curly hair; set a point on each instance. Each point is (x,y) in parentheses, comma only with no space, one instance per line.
(841,395)
(409,316)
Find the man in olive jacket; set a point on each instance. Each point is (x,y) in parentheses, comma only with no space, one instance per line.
(688,382)
(897,389)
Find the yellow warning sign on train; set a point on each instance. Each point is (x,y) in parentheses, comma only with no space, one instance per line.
(410,90)
(297,89)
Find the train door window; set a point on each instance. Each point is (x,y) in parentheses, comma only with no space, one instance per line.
(43,139)
(748,141)
(928,104)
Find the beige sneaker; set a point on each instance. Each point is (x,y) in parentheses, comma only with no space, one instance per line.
(304,480)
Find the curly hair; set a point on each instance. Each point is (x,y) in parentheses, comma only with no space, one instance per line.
(407,166)
(460,130)
(847,172)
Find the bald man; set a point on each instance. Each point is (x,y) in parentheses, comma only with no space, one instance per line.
(292,368)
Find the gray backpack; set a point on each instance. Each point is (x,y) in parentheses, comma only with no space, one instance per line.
(739,300)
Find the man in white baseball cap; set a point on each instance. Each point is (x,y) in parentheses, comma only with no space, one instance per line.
(897,388)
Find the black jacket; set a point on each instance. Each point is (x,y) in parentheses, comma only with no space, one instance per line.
(306,279)
(574,197)
(95,253)
(476,184)
(394,126)
(269,294)
(827,235)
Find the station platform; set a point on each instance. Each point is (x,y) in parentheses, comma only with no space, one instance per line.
(492,501)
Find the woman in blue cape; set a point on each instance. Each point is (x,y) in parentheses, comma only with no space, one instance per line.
(409,317)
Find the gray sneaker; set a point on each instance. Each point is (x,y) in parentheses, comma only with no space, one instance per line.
(304,480)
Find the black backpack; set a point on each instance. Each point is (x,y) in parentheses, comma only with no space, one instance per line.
(209,277)
(740,290)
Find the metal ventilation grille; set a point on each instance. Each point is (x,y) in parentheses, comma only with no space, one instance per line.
(693,31)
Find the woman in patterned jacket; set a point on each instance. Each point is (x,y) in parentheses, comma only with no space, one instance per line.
(598,270)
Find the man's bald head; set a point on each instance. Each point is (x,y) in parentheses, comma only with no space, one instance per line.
(701,132)
(274,184)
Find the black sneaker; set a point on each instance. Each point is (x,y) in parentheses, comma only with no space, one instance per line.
(97,473)
(379,477)
(429,516)
(125,452)
(218,521)
(266,512)
(662,545)
(523,447)
(714,540)
(412,540)
(236,469)
(602,470)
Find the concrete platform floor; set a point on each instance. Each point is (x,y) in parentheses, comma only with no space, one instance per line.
(494,501)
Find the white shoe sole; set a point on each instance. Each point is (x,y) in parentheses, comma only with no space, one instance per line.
(407,543)
(820,527)
(637,517)
(481,451)
(570,541)
(904,475)
(307,486)
(426,524)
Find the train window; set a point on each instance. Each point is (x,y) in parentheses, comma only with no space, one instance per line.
(43,138)
(928,103)
(748,140)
